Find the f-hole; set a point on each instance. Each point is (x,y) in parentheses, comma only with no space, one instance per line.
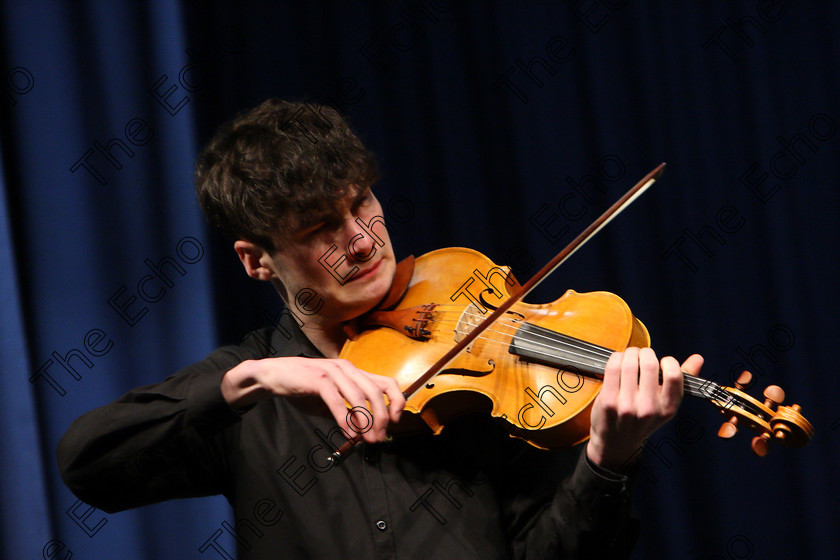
(492,307)
(484,301)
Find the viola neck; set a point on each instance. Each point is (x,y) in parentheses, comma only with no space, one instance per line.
(538,344)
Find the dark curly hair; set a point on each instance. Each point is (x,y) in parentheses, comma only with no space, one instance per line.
(277,167)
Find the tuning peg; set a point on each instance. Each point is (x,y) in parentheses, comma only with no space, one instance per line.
(774,395)
(759,445)
(744,380)
(728,428)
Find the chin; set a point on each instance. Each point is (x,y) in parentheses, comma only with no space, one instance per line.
(376,288)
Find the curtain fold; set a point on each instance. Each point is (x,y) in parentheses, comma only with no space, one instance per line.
(104,144)
(23,490)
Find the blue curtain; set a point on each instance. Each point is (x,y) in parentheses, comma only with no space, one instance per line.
(505,127)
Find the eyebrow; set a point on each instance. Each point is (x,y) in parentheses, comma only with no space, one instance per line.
(363,192)
(316,221)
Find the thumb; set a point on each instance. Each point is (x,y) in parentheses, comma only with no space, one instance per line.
(693,364)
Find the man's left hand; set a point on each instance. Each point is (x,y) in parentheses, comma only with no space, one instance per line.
(633,404)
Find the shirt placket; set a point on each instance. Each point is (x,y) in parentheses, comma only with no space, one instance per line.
(380,515)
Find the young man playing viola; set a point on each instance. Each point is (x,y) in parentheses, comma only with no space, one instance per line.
(259,426)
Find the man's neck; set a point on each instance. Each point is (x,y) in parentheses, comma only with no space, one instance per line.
(328,340)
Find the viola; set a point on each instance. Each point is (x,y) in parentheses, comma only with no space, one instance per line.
(457,337)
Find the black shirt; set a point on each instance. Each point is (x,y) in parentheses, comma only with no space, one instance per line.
(471,492)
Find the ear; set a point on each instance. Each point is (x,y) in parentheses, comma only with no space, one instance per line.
(254,259)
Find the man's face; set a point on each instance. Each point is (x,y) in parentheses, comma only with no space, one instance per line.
(316,263)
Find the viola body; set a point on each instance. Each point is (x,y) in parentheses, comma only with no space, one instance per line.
(517,370)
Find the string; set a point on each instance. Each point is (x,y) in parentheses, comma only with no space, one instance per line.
(561,342)
(567,349)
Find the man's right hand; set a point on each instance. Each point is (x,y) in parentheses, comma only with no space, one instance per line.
(336,382)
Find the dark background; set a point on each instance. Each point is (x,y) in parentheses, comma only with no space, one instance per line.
(505,127)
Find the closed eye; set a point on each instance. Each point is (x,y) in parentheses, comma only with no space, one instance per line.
(365,197)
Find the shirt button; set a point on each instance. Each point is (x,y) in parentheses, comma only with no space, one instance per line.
(381,525)
(371,454)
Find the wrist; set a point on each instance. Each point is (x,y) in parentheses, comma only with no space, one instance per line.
(613,458)
(595,451)
(241,386)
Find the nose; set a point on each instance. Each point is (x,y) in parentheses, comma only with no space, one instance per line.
(361,245)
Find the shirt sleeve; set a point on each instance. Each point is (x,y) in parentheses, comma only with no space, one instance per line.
(587,515)
(154,443)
